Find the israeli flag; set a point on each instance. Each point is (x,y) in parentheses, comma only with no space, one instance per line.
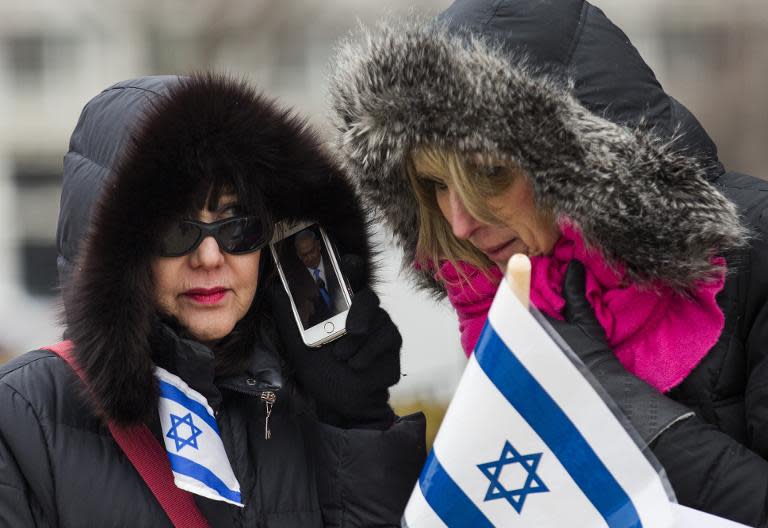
(193,443)
(527,441)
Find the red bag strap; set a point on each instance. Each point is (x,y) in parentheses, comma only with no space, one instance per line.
(149,458)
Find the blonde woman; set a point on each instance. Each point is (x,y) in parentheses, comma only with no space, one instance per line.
(535,127)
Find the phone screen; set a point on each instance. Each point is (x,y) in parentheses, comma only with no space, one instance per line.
(314,284)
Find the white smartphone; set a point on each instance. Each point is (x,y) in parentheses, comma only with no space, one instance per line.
(309,269)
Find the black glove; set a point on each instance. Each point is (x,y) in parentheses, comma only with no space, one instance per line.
(348,378)
(649,411)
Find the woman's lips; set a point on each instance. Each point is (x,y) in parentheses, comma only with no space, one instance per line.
(495,253)
(206,296)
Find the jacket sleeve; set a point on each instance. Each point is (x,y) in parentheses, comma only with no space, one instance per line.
(712,472)
(366,476)
(21,464)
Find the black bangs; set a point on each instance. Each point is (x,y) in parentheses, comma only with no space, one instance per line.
(216,178)
(224,181)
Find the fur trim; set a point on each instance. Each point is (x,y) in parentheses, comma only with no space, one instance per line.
(205,125)
(645,205)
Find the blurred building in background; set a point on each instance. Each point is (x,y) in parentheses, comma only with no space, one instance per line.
(54,56)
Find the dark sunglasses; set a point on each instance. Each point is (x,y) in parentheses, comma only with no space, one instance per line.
(238,235)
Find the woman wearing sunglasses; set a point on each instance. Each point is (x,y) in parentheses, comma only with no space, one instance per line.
(177,326)
(521,126)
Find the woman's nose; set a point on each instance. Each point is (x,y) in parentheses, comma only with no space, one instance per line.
(208,254)
(463,224)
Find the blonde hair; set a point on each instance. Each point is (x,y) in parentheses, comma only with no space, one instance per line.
(475,179)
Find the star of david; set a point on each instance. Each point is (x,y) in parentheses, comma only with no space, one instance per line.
(173,434)
(516,497)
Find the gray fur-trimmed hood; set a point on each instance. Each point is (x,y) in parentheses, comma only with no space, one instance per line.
(632,194)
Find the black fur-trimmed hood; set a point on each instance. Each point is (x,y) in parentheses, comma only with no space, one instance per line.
(630,190)
(138,157)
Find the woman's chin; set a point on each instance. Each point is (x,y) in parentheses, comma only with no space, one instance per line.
(209,334)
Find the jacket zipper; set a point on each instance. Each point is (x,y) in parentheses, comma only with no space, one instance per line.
(269,398)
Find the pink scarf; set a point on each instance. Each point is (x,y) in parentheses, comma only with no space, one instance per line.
(658,335)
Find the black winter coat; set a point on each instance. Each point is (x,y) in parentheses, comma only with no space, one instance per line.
(60,467)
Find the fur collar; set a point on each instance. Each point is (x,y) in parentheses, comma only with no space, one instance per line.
(633,195)
(202,124)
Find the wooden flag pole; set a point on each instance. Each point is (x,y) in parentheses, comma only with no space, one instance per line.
(519,277)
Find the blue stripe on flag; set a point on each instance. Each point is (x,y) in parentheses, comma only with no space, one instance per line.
(446,498)
(549,421)
(192,469)
(172,392)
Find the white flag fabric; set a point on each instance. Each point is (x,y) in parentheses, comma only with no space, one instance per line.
(527,441)
(193,443)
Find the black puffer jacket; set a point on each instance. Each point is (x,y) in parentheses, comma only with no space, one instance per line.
(59,466)
(550,98)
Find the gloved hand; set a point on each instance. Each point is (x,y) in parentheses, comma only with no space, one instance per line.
(348,378)
(649,411)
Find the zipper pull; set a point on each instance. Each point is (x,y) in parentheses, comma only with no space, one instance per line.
(268,397)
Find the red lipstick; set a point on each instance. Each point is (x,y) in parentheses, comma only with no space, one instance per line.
(206,295)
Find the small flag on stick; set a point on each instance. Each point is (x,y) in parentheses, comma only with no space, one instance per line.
(527,441)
